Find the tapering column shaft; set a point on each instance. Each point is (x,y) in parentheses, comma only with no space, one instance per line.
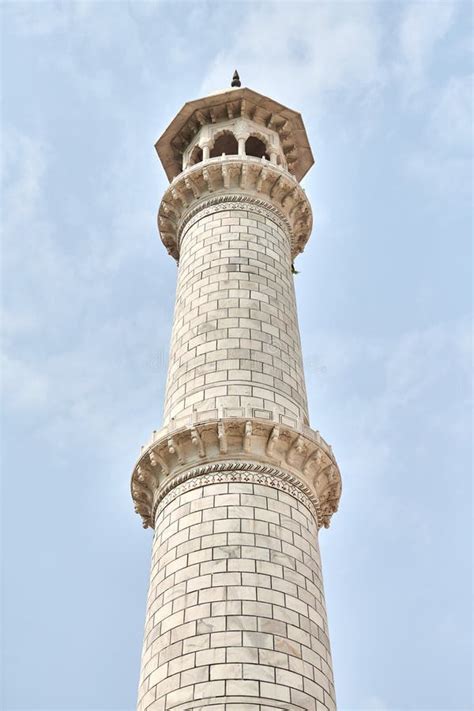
(235,341)
(236,611)
(236,484)
(236,615)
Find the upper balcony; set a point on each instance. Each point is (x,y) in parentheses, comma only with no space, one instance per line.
(237,121)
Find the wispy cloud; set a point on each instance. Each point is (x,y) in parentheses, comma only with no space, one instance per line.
(315,54)
(23,166)
(442,160)
(55,16)
(374,703)
(396,379)
(299,51)
(450,123)
(423,25)
(71,384)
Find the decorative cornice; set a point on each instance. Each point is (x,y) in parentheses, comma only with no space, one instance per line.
(239,181)
(296,457)
(231,201)
(237,472)
(230,701)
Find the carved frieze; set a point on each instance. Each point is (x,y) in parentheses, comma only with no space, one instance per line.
(300,457)
(234,182)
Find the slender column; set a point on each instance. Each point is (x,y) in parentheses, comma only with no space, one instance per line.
(235,341)
(236,611)
(236,484)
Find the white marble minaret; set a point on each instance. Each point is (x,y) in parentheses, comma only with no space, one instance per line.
(236,484)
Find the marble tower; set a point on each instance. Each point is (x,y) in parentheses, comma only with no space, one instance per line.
(236,484)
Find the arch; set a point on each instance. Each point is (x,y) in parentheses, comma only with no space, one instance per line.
(196,156)
(225,142)
(254,146)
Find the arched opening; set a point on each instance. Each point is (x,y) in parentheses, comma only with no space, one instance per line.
(196,155)
(226,143)
(255,147)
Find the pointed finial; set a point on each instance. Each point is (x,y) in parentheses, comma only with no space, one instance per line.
(236,79)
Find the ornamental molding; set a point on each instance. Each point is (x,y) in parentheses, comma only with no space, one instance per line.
(236,201)
(223,702)
(284,454)
(239,181)
(237,473)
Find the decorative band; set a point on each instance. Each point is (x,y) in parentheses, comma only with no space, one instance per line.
(236,201)
(237,472)
(231,702)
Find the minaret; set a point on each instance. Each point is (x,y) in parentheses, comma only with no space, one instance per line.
(236,484)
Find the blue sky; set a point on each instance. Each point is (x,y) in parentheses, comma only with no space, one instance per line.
(384,307)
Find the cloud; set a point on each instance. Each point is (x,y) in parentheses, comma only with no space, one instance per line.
(381,383)
(66,315)
(22,384)
(359,56)
(89,36)
(303,50)
(422,26)
(299,51)
(450,124)
(55,16)
(374,703)
(422,357)
(23,167)
(442,160)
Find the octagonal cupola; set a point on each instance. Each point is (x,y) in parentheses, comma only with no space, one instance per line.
(236,121)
